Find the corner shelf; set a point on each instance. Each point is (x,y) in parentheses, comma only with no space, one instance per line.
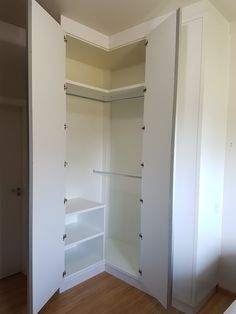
(104,95)
(80,205)
(83,256)
(78,233)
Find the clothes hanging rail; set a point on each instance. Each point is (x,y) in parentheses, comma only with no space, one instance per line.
(117,174)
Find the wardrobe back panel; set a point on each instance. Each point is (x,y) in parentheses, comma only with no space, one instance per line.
(126,152)
(84,148)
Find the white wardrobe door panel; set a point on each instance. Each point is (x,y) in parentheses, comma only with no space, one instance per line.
(47,118)
(159,115)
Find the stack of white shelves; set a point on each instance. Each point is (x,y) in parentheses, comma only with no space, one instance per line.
(84,245)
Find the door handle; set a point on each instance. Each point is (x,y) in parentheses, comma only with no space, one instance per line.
(17,191)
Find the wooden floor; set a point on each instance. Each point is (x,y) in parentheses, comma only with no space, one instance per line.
(100,295)
(105,294)
(13,295)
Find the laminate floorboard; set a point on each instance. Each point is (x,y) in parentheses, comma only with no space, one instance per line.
(103,294)
(13,294)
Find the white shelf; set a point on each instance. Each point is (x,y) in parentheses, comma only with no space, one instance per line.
(84,255)
(78,233)
(122,256)
(115,59)
(80,205)
(91,92)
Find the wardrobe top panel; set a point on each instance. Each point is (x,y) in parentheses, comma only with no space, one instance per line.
(119,58)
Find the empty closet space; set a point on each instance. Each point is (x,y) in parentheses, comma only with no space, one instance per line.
(105,97)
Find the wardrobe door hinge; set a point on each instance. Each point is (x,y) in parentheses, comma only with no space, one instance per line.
(64,237)
(65,39)
(140,272)
(65,200)
(64,274)
(141,200)
(66,164)
(65,87)
(145,89)
(143,128)
(65,126)
(141,236)
(142,164)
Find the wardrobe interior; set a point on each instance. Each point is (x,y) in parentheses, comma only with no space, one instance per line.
(14,142)
(105,99)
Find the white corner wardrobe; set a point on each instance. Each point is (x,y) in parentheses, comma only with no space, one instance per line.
(101,187)
(102,121)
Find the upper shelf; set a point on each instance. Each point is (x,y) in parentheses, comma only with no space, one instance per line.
(80,205)
(104,95)
(122,57)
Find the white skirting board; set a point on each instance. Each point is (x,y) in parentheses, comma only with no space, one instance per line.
(183,307)
(129,279)
(187,309)
(93,270)
(231,309)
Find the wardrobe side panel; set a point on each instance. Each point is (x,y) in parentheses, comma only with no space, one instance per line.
(228,258)
(185,202)
(47,155)
(213,145)
(159,116)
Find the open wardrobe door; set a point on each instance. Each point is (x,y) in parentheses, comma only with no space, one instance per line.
(47,145)
(158,151)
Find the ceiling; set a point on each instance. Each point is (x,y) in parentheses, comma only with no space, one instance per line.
(227,7)
(112,16)
(106,16)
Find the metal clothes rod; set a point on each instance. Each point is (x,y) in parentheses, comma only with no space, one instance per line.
(105,101)
(117,174)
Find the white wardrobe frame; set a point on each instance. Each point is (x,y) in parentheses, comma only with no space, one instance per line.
(47,138)
(48,32)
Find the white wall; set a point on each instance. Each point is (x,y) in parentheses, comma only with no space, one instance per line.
(228,260)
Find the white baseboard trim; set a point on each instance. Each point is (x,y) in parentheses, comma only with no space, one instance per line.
(118,273)
(189,309)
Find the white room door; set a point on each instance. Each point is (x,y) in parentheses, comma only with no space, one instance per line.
(47,147)
(11,179)
(158,146)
